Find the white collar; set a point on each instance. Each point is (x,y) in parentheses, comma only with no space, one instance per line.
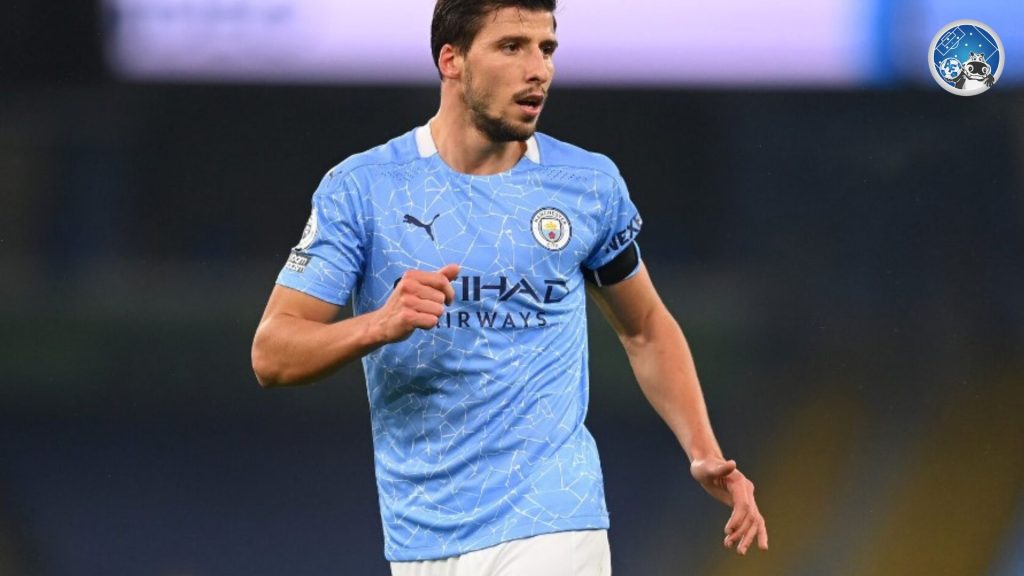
(426,146)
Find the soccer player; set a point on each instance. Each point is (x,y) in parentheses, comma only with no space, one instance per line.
(467,247)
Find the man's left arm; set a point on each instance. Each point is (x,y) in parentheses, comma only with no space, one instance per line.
(663,365)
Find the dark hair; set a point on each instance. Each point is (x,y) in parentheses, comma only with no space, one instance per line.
(457,22)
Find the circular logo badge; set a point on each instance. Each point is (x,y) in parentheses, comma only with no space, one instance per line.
(308,233)
(966,57)
(551,228)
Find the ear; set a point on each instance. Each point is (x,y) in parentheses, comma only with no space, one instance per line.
(450,62)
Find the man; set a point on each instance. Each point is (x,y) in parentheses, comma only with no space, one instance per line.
(465,246)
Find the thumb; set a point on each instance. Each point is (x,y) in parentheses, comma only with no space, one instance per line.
(451,271)
(713,469)
(723,469)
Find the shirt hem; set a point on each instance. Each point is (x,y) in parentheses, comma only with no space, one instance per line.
(527,531)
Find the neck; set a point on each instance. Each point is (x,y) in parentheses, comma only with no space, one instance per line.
(466,149)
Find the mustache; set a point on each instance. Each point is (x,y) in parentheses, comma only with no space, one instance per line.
(530,92)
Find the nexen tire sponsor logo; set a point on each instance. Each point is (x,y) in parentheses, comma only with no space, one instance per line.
(624,236)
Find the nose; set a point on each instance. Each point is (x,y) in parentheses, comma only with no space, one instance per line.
(539,67)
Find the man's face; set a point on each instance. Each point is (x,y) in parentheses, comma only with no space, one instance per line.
(507,73)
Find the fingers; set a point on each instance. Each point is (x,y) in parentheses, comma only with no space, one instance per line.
(417,302)
(424,305)
(746,524)
(748,536)
(753,529)
(735,521)
(451,271)
(736,525)
(428,293)
(449,293)
(742,533)
(445,275)
(424,320)
(435,280)
(762,536)
(414,280)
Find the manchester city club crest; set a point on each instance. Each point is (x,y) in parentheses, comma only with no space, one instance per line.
(551,228)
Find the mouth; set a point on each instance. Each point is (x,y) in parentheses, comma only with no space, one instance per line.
(531,104)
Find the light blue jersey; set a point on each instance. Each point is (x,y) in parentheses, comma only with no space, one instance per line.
(478,423)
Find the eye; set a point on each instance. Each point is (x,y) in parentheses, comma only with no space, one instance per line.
(510,48)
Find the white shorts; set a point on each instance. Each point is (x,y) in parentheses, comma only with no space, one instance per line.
(572,553)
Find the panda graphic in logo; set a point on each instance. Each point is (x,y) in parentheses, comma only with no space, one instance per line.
(966,57)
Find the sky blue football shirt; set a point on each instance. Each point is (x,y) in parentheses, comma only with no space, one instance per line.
(478,423)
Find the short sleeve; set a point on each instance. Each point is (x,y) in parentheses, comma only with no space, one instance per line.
(621,225)
(327,263)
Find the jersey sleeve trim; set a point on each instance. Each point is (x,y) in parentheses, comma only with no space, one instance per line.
(314,289)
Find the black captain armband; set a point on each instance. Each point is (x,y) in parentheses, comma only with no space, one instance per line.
(617,270)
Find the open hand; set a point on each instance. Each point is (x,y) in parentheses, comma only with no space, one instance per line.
(726,483)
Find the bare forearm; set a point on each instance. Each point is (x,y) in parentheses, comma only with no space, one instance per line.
(289,351)
(664,368)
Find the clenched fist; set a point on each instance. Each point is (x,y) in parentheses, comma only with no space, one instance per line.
(417,301)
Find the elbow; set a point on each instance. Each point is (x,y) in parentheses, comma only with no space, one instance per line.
(634,344)
(266,380)
(268,372)
(272,370)
(652,328)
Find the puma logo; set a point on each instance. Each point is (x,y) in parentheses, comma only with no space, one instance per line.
(428,227)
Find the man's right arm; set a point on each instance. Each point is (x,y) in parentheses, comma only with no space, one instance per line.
(298,342)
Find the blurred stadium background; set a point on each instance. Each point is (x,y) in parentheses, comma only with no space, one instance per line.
(845,254)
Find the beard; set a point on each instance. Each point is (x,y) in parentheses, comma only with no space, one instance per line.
(496,128)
